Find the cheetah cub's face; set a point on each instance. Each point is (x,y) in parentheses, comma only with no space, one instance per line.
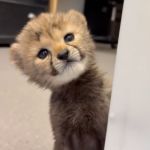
(53,49)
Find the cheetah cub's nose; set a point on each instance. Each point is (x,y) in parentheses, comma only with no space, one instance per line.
(63,55)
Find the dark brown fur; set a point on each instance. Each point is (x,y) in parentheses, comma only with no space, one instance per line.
(79,113)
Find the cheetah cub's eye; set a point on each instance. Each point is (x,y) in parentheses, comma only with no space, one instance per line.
(69,37)
(43,53)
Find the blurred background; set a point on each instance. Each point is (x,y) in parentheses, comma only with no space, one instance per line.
(103,16)
(24,108)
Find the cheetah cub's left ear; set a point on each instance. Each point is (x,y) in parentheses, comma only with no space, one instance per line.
(15,54)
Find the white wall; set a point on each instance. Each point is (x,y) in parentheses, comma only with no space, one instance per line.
(64,5)
(129,120)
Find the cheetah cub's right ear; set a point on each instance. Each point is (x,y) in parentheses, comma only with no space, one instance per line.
(76,17)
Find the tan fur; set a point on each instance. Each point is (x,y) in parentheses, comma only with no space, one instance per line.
(48,31)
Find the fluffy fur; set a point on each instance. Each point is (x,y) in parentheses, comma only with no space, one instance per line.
(79,102)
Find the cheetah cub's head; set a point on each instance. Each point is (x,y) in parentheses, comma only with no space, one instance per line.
(53,49)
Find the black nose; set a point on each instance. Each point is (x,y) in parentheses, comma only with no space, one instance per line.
(63,55)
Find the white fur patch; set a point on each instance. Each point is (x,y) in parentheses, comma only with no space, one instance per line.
(70,73)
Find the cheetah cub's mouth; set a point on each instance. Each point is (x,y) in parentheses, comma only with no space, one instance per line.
(68,59)
(69,64)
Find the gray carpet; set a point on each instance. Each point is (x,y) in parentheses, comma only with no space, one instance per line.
(24,120)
